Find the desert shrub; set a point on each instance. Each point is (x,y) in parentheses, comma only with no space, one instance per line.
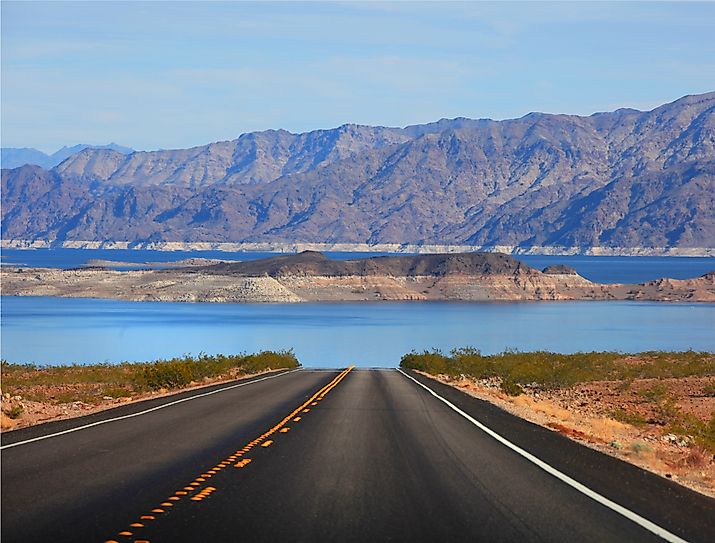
(14,412)
(624,385)
(121,380)
(702,432)
(116,392)
(180,372)
(511,388)
(266,360)
(433,362)
(639,448)
(629,417)
(664,404)
(709,390)
(553,370)
(656,393)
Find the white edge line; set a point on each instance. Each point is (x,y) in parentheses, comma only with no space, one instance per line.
(630,515)
(131,415)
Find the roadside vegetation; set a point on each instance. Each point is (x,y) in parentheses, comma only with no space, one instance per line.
(552,370)
(95,382)
(652,377)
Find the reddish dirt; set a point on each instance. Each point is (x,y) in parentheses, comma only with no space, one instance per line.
(586,412)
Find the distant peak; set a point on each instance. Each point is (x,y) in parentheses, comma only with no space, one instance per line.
(313,254)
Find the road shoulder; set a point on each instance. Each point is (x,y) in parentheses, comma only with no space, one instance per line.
(624,483)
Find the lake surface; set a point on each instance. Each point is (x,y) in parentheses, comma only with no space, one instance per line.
(65,330)
(601,269)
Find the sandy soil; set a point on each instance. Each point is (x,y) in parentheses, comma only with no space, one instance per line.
(585,413)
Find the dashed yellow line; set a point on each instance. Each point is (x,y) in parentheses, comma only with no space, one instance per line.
(262,440)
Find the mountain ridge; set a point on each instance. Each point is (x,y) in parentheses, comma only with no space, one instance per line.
(625,178)
(15,157)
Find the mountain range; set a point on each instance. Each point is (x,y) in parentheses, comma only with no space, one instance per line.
(14,157)
(624,180)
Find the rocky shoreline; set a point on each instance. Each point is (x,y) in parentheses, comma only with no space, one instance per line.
(312,277)
(396,248)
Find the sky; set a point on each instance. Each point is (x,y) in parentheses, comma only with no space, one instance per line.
(153,75)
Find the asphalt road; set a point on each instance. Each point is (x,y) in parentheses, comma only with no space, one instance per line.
(366,455)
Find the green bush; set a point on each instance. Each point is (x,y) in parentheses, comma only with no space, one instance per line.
(553,370)
(511,388)
(547,370)
(265,360)
(429,361)
(14,412)
(702,432)
(180,372)
(121,380)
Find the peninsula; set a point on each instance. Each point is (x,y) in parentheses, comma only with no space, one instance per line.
(312,277)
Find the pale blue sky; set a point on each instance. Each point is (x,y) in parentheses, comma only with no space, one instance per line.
(177,74)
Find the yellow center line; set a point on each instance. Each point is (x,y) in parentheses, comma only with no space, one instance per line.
(262,439)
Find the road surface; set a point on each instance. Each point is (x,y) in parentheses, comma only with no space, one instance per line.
(361,455)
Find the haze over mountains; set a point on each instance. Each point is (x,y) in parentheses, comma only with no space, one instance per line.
(14,157)
(625,179)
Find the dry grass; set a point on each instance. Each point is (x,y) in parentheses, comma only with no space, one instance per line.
(93,382)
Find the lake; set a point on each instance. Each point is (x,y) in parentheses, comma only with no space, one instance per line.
(65,330)
(601,269)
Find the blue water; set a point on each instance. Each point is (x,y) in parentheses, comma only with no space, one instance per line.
(74,258)
(601,269)
(64,330)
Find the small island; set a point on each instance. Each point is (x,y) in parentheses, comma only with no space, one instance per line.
(313,277)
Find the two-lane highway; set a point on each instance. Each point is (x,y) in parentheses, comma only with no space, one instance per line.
(361,455)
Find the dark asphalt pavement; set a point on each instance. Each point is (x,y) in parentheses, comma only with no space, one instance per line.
(375,458)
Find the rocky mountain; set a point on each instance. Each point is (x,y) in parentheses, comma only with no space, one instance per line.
(624,179)
(14,157)
(313,263)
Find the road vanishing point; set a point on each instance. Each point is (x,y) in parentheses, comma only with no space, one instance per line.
(328,455)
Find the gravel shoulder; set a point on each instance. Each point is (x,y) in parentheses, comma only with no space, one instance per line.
(589,413)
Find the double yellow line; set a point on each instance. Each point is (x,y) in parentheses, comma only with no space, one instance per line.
(192,490)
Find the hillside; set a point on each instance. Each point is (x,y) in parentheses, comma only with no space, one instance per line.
(311,276)
(311,263)
(14,157)
(625,179)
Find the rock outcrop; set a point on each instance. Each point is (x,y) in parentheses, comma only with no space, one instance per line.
(311,276)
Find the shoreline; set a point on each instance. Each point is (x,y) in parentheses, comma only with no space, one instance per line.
(394,248)
(312,277)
